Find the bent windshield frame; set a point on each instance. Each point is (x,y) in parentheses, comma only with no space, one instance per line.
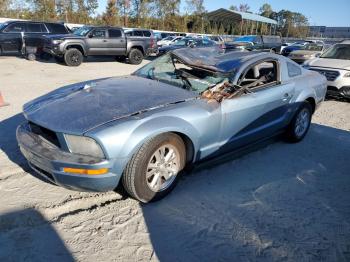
(168,69)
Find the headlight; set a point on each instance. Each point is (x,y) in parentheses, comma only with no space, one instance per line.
(57,42)
(83,145)
(347,74)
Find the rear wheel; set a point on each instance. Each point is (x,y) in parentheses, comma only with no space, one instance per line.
(73,57)
(135,56)
(300,124)
(153,171)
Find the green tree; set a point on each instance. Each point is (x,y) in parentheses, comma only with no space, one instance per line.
(110,16)
(265,10)
(44,10)
(233,8)
(244,8)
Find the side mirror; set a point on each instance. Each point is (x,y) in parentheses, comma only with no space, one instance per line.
(90,35)
(318,55)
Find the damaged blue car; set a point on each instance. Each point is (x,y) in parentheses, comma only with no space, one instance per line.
(187,106)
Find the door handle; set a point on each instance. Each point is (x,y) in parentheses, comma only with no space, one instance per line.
(104,41)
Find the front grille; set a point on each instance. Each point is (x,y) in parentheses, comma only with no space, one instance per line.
(44,133)
(331,75)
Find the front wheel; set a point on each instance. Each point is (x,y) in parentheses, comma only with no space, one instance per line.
(300,124)
(73,57)
(152,172)
(135,56)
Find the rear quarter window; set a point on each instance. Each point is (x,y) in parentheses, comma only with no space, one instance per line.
(57,28)
(293,70)
(146,33)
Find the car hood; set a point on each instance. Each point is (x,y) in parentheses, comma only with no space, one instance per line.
(330,63)
(78,108)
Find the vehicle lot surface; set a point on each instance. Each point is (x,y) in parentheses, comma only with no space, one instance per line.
(283,202)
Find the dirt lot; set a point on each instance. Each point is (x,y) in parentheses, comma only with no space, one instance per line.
(281,203)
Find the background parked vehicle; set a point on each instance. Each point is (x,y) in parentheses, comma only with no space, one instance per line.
(309,51)
(168,40)
(94,41)
(267,43)
(298,45)
(11,38)
(187,42)
(334,64)
(217,39)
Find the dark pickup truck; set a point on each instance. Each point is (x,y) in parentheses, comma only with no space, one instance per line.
(96,41)
(265,43)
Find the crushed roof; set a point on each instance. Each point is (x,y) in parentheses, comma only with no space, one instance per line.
(214,59)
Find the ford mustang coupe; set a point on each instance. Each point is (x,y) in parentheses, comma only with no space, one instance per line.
(187,106)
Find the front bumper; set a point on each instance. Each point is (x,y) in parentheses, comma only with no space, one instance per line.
(48,161)
(53,50)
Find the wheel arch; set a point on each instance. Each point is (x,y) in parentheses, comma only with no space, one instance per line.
(139,47)
(312,102)
(77,46)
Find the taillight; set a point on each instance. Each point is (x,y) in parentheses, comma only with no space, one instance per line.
(222,46)
(152,42)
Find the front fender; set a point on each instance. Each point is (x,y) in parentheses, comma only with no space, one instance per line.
(122,140)
(66,45)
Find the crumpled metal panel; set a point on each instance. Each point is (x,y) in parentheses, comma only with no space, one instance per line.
(83,106)
(214,59)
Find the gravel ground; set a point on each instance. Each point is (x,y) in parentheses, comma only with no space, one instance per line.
(282,202)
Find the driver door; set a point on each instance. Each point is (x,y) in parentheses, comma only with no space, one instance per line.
(261,112)
(97,42)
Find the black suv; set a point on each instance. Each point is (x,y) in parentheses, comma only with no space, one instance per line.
(11,38)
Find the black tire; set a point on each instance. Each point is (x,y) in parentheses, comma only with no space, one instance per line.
(31,57)
(120,58)
(292,135)
(59,59)
(73,57)
(134,177)
(135,56)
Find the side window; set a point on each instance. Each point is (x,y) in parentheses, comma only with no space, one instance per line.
(293,70)
(138,33)
(129,33)
(57,28)
(15,28)
(34,28)
(146,33)
(99,33)
(114,33)
(260,74)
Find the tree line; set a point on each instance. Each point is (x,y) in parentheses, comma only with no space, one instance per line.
(155,14)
